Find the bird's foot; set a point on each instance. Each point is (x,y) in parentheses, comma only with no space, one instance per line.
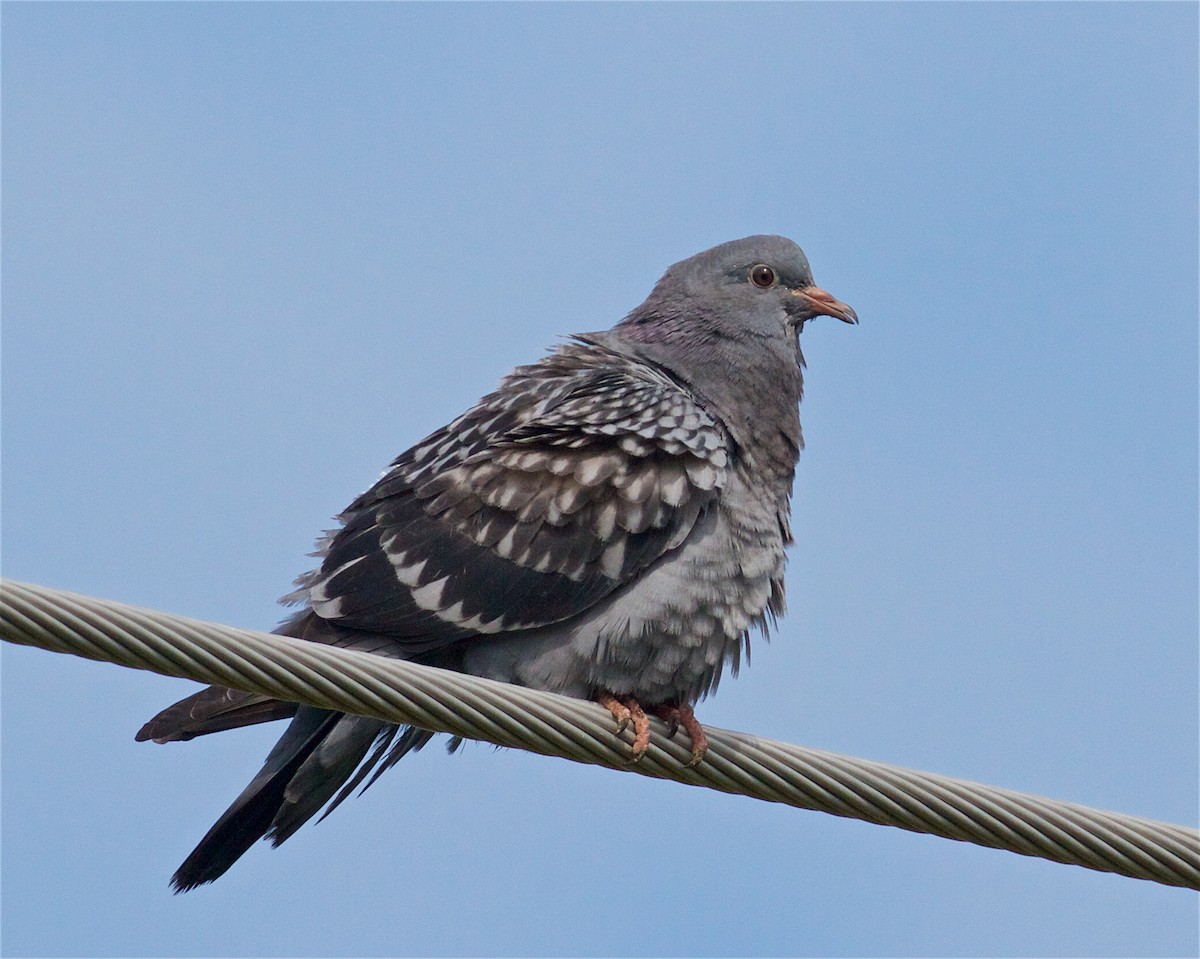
(685,716)
(625,711)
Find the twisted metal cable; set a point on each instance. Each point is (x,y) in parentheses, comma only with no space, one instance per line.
(507,715)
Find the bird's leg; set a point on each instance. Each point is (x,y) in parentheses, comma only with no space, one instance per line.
(685,716)
(620,714)
(626,711)
(641,729)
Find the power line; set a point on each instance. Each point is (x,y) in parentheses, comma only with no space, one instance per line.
(508,715)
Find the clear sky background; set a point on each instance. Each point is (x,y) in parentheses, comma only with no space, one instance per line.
(252,252)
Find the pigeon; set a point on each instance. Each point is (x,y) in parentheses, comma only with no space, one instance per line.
(609,524)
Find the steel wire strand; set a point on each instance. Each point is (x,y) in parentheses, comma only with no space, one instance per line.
(545,723)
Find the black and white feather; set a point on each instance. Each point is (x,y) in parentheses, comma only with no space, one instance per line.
(564,484)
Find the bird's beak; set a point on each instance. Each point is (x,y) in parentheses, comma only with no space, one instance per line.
(816,302)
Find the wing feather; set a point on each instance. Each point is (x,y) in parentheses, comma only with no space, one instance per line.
(578,473)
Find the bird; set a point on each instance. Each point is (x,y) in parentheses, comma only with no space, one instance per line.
(609,524)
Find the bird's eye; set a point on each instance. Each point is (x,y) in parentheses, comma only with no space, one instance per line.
(762,276)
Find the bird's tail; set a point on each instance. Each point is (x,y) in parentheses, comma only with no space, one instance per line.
(320,753)
(317,756)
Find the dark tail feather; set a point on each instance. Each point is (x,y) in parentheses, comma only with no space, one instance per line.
(410,741)
(212,710)
(250,815)
(323,772)
(315,757)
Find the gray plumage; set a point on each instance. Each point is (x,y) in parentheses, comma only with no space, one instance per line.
(610,522)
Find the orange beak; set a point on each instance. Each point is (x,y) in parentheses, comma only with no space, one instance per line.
(816,302)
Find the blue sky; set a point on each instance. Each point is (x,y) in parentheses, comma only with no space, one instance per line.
(252,252)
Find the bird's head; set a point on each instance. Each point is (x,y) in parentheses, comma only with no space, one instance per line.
(759,286)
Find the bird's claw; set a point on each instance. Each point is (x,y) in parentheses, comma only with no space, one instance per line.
(670,715)
(628,711)
(624,712)
(684,716)
(695,732)
(620,713)
(641,729)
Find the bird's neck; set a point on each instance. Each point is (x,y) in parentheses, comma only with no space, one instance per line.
(756,391)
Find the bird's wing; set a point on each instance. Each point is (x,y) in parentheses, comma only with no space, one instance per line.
(572,478)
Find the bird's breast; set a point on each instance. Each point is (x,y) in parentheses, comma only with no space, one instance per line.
(666,636)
